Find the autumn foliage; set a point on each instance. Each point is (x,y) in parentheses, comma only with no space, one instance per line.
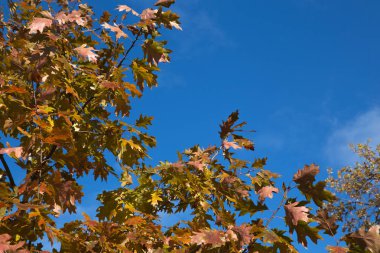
(67,77)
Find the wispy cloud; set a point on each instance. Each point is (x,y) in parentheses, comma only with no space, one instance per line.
(360,129)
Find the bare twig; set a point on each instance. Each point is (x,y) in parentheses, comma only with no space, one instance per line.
(129,49)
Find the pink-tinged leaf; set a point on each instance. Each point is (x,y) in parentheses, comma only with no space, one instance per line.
(61,17)
(296,213)
(116,29)
(148,14)
(215,238)
(5,245)
(307,174)
(197,164)
(267,192)
(75,16)
(16,151)
(86,52)
(39,24)
(244,232)
(127,9)
(232,144)
(175,25)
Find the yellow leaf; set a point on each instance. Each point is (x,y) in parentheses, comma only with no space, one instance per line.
(155,198)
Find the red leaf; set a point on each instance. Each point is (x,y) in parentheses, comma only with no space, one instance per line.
(296,213)
(266,192)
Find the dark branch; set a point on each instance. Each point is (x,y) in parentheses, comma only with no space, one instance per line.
(130,48)
(8,171)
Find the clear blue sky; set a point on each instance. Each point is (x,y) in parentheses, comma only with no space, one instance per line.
(303,73)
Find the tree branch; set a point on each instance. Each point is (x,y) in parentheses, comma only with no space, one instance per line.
(129,49)
(8,171)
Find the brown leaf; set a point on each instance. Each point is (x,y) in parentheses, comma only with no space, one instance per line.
(370,238)
(266,192)
(86,52)
(116,29)
(38,24)
(165,3)
(307,174)
(296,213)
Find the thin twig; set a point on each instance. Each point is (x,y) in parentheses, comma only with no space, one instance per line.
(130,48)
(8,171)
(284,197)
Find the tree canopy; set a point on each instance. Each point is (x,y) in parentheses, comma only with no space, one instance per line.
(67,78)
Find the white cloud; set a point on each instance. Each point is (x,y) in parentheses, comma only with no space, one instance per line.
(360,129)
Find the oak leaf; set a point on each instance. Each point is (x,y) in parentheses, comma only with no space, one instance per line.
(267,192)
(38,24)
(17,151)
(337,249)
(116,29)
(148,14)
(296,213)
(87,52)
(230,144)
(215,238)
(165,3)
(306,175)
(127,9)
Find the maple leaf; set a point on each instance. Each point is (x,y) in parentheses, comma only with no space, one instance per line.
(337,249)
(17,151)
(266,192)
(148,14)
(127,9)
(38,24)
(165,3)
(230,144)
(116,29)
(296,213)
(306,175)
(86,52)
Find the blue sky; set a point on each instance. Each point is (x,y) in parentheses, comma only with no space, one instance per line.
(303,73)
